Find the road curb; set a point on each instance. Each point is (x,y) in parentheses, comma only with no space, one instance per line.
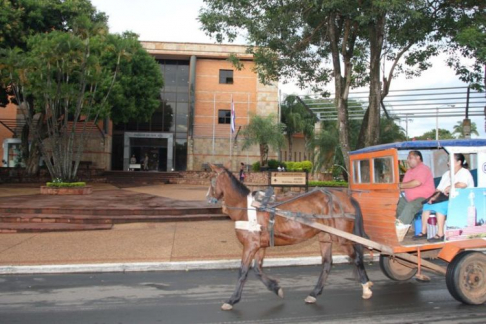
(164,266)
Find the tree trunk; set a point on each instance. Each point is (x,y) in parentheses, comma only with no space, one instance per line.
(290,147)
(24,138)
(370,128)
(262,153)
(341,85)
(32,164)
(265,154)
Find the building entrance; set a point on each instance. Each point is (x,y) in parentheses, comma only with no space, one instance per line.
(154,151)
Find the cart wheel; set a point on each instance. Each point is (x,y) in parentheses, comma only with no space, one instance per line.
(396,270)
(466,277)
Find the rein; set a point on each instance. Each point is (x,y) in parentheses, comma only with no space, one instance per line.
(273,210)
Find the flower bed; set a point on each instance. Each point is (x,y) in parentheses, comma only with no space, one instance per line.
(86,190)
(66,188)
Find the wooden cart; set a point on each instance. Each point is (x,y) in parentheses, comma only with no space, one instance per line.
(373,180)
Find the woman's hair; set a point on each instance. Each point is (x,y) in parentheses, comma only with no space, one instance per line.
(460,157)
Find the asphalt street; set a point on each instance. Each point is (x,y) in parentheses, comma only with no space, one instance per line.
(196,297)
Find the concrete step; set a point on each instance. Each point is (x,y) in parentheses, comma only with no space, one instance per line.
(141,175)
(111,211)
(102,219)
(50,227)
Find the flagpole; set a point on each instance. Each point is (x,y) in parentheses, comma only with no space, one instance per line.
(231,129)
(214,123)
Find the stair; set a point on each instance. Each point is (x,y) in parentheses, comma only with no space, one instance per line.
(19,218)
(16,220)
(126,179)
(50,227)
(101,210)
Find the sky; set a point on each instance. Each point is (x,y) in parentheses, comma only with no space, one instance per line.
(176,21)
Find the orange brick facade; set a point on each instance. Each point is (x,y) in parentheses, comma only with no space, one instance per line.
(8,130)
(210,141)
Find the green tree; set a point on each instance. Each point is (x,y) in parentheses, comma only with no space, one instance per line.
(298,38)
(390,131)
(69,78)
(21,19)
(265,132)
(430,135)
(133,93)
(464,29)
(326,144)
(458,129)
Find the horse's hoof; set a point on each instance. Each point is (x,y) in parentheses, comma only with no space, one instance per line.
(367,293)
(310,300)
(226,306)
(280,293)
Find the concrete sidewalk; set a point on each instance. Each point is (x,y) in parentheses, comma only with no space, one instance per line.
(138,246)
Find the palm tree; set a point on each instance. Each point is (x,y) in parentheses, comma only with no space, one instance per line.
(459,129)
(326,145)
(390,132)
(265,132)
(297,119)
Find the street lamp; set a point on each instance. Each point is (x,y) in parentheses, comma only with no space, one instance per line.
(437,119)
(406,124)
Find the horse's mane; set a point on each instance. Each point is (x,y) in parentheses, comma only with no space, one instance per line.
(237,185)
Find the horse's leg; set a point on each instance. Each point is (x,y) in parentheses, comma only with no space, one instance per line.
(270,283)
(326,253)
(355,252)
(249,251)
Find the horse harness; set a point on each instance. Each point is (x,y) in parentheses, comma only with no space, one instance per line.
(260,202)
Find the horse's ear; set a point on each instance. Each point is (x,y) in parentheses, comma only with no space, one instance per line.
(227,165)
(213,167)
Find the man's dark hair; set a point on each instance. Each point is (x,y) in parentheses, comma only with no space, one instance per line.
(417,153)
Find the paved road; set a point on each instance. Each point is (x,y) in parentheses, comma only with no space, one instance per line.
(196,296)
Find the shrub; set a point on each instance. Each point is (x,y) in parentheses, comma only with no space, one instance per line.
(289,166)
(255,167)
(328,184)
(65,184)
(307,166)
(297,166)
(273,164)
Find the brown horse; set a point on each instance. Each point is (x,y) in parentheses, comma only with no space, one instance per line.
(330,207)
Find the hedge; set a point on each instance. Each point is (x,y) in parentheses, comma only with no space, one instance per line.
(65,184)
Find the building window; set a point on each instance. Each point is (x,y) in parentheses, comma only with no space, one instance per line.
(224,117)
(226,76)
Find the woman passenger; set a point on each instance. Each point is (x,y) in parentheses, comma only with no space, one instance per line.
(462,179)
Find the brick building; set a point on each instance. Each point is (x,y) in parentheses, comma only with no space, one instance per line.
(192,125)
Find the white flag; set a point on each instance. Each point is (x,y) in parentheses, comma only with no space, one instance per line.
(233,116)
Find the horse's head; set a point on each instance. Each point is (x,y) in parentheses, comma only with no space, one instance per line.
(215,191)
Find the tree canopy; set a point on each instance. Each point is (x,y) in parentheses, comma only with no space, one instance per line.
(458,129)
(430,135)
(349,42)
(266,132)
(68,72)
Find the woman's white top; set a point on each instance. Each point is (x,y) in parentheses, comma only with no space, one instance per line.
(463,175)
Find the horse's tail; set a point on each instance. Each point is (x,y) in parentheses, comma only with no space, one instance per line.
(358,220)
(358,248)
